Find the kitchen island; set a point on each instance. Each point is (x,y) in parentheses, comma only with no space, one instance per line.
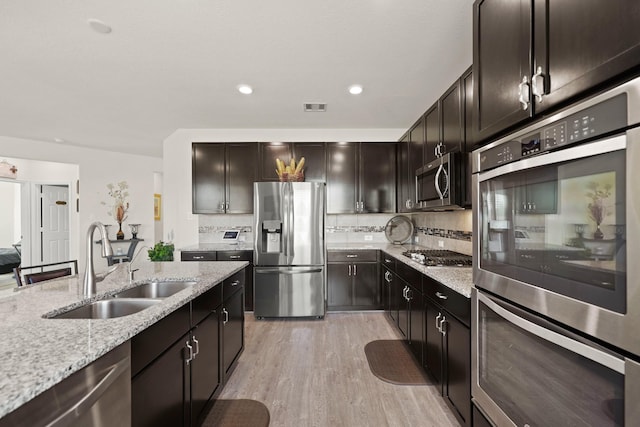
(40,352)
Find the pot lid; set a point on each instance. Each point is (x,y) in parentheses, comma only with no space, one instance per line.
(398,230)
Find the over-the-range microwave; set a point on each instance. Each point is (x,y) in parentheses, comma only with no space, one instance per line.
(442,184)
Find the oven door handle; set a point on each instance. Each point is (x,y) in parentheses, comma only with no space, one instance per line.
(572,345)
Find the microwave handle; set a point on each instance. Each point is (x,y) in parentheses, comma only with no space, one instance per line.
(446,177)
(437,181)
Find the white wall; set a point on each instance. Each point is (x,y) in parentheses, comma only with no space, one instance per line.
(95,169)
(180,225)
(9,221)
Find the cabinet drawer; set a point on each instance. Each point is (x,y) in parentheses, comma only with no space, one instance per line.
(388,261)
(409,275)
(235,256)
(352,256)
(455,303)
(152,342)
(205,304)
(233,284)
(198,256)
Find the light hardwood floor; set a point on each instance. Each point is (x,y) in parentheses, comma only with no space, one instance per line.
(315,373)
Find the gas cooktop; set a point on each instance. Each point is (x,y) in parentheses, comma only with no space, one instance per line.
(438,258)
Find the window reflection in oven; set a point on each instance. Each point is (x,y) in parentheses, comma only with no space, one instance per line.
(537,382)
(560,227)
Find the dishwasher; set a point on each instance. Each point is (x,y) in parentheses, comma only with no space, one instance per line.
(98,395)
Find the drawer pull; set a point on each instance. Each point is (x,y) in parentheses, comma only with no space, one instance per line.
(235,283)
(441,296)
(234,256)
(198,257)
(387,260)
(352,256)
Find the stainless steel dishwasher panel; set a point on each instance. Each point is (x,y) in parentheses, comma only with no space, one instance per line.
(98,395)
(289,292)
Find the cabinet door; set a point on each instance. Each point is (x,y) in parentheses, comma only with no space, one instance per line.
(416,155)
(433,342)
(403,307)
(208,184)
(366,286)
(580,44)
(314,160)
(466,85)
(158,392)
(501,49)
(340,285)
(378,177)
(457,384)
(416,323)
(269,152)
(342,175)
(232,330)
(432,133)
(395,295)
(205,367)
(241,173)
(385,289)
(451,120)
(405,179)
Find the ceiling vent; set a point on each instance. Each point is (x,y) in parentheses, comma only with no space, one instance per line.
(317,107)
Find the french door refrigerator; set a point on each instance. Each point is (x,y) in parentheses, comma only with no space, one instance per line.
(289,249)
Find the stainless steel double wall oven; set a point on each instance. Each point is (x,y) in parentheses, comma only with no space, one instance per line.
(556,234)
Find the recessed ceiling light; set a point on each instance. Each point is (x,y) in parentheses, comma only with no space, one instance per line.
(99,26)
(355,89)
(245,89)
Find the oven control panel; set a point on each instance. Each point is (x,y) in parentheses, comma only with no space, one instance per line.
(599,119)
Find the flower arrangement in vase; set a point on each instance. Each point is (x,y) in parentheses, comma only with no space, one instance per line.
(596,208)
(120,205)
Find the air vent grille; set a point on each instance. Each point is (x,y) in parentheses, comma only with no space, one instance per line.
(315,107)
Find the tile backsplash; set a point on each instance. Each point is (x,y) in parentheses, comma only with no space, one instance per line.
(452,228)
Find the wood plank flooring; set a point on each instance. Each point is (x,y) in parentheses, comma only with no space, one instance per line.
(315,373)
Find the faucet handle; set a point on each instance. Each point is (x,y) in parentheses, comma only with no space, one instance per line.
(131,272)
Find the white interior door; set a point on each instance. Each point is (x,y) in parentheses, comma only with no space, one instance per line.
(54,227)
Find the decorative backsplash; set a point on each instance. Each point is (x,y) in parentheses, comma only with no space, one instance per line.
(355,229)
(447,234)
(205,229)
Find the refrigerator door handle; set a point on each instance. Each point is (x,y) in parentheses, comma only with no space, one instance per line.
(291,225)
(285,218)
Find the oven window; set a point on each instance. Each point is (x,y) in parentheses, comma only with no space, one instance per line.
(560,227)
(538,383)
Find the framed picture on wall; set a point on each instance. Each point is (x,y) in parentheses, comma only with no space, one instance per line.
(157,207)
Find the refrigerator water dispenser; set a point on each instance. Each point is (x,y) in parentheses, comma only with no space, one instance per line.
(271,232)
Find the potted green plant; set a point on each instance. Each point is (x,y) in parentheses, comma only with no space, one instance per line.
(161,252)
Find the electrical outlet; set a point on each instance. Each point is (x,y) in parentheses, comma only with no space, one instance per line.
(417,239)
(242,238)
(368,237)
(441,243)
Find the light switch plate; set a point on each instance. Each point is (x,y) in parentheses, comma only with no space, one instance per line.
(441,243)
(368,237)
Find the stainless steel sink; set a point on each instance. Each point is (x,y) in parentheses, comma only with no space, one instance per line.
(159,289)
(108,308)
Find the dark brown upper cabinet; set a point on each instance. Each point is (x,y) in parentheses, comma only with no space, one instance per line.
(415,156)
(405,179)
(466,86)
(443,125)
(313,152)
(361,177)
(223,176)
(531,56)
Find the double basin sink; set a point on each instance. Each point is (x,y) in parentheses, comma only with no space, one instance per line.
(127,302)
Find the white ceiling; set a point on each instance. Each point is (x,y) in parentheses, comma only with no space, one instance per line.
(171,64)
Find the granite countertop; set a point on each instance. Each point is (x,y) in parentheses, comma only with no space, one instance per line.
(38,353)
(458,279)
(239,246)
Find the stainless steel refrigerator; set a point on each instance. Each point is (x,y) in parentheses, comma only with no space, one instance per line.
(289,251)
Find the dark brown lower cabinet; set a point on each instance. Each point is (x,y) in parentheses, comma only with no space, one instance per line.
(353,286)
(158,392)
(232,330)
(447,357)
(179,365)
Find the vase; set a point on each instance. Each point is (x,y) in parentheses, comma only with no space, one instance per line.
(598,234)
(120,233)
